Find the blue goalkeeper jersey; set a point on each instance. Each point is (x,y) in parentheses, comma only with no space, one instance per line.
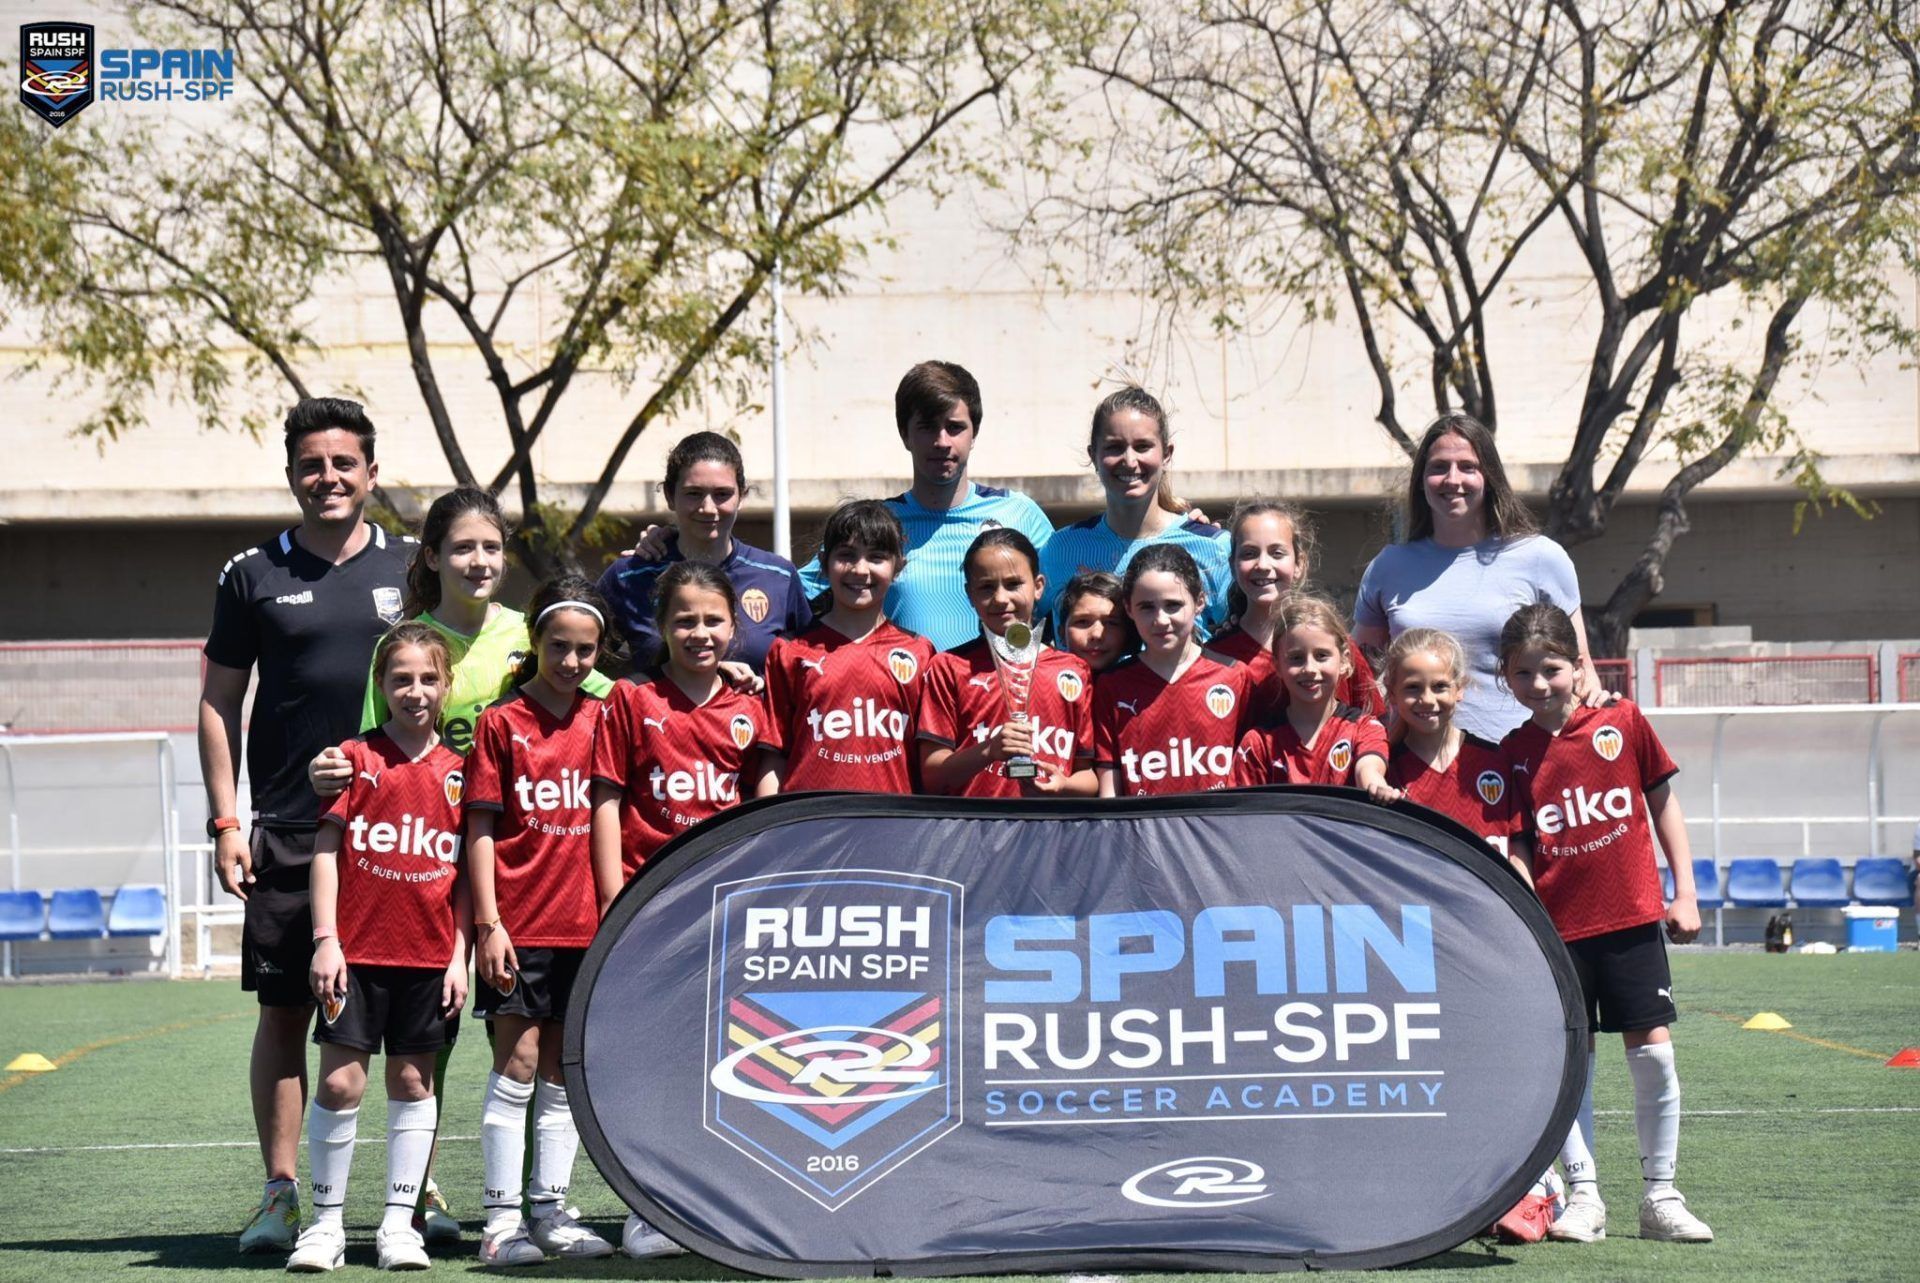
(1093,545)
(930,596)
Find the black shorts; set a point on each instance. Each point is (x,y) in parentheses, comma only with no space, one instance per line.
(395,1006)
(1625,979)
(276,944)
(541,987)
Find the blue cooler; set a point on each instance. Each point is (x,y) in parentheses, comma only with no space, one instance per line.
(1872,928)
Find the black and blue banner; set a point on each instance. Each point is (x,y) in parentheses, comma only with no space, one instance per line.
(833,1034)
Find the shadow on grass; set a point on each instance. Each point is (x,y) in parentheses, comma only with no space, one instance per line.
(1476,1255)
(215,1252)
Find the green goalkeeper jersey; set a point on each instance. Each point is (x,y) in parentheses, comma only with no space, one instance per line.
(483,667)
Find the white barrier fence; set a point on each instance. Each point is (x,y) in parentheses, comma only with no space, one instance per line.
(106,809)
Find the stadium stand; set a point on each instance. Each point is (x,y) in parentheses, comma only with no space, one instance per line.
(77,913)
(23,915)
(1819,884)
(138,910)
(1666,882)
(1706,881)
(1756,884)
(1883,880)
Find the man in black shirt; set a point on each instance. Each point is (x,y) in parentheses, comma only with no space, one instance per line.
(305,608)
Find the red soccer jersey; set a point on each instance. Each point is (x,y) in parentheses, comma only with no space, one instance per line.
(846,712)
(1162,737)
(1276,755)
(964,698)
(399,853)
(534,769)
(675,762)
(1472,790)
(1582,799)
(1357,688)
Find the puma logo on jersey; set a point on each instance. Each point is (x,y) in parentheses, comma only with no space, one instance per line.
(372,777)
(1577,807)
(658,724)
(984,681)
(817,665)
(1665,993)
(523,740)
(1130,705)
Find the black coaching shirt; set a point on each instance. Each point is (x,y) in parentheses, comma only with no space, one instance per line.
(310,627)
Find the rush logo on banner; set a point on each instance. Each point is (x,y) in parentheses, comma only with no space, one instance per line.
(831,1035)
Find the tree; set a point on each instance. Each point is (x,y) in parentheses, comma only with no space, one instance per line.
(1391,160)
(643,165)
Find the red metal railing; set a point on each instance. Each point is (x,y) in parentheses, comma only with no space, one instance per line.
(99,686)
(1909,668)
(1711,681)
(1616,675)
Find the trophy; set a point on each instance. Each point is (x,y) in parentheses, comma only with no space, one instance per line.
(1015,655)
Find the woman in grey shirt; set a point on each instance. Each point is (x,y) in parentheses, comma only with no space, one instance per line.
(1472,557)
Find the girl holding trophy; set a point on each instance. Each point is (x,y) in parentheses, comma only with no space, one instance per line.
(1003,715)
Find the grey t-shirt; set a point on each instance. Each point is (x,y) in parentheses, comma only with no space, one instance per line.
(1469,592)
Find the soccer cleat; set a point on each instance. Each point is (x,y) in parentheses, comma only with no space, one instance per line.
(401,1249)
(1665,1217)
(509,1245)
(641,1241)
(563,1236)
(1584,1221)
(275,1223)
(322,1248)
(436,1224)
(1527,1222)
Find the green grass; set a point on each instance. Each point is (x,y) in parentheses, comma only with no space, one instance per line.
(1793,1189)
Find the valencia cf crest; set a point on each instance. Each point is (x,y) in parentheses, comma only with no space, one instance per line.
(741,729)
(453,786)
(1491,786)
(330,1009)
(833,1039)
(512,982)
(1340,756)
(1608,741)
(1220,700)
(1070,685)
(386,604)
(56,69)
(754,605)
(902,664)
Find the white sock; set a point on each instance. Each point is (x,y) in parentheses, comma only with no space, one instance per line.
(330,1157)
(410,1128)
(555,1142)
(1576,1154)
(503,1146)
(1656,1113)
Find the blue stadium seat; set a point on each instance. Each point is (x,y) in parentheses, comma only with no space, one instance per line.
(138,911)
(22,915)
(1706,883)
(77,913)
(1666,882)
(1819,884)
(1883,880)
(1756,884)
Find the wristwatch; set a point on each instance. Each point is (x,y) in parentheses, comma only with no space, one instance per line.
(222,824)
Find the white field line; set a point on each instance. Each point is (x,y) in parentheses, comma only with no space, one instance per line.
(468,1140)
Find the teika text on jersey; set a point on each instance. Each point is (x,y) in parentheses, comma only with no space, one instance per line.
(703,784)
(1577,807)
(568,792)
(1183,759)
(866,718)
(409,837)
(1048,741)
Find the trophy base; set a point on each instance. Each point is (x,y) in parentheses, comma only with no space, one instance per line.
(1022,768)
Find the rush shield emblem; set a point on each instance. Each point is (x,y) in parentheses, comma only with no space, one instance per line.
(834,1024)
(56,69)
(1220,700)
(1608,741)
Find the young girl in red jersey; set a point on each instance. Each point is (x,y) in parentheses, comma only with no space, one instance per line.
(1166,720)
(1593,785)
(966,734)
(845,694)
(390,912)
(530,860)
(684,746)
(1315,739)
(1273,547)
(1432,761)
(1093,621)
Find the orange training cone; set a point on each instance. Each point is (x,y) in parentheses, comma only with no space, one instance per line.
(1905,1058)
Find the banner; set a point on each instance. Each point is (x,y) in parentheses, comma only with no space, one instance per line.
(834,1035)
